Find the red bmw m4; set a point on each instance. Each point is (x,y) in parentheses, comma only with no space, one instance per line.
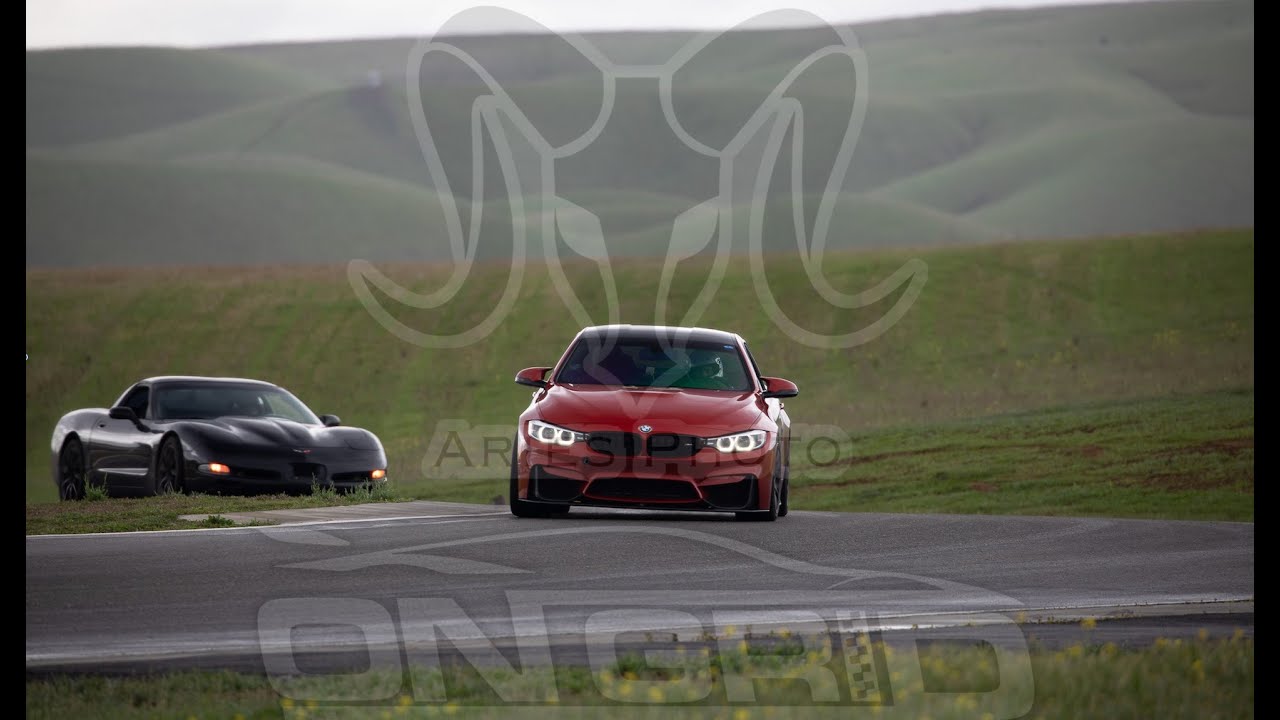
(639,416)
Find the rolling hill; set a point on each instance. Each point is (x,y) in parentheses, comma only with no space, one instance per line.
(82,95)
(1054,122)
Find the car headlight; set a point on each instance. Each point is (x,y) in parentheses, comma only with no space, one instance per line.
(738,442)
(554,434)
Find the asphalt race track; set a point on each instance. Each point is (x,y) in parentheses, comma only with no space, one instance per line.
(230,597)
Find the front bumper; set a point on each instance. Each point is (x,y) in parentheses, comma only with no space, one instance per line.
(706,480)
(287,469)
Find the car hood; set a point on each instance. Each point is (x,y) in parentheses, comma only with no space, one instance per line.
(706,413)
(283,433)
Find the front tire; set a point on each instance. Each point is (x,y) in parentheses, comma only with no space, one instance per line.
(784,504)
(524,508)
(71,470)
(169,475)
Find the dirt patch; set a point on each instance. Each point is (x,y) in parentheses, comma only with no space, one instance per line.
(983,487)
(1228,446)
(860,459)
(1172,482)
(848,482)
(1088,429)
(1091,451)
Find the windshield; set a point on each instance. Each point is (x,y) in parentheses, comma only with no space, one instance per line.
(207,401)
(652,363)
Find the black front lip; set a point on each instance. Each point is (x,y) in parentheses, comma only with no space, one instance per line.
(697,506)
(582,497)
(330,467)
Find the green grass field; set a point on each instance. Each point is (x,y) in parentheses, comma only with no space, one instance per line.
(1173,458)
(1051,122)
(1109,377)
(1203,678)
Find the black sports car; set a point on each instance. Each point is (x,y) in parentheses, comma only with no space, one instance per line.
(182,434)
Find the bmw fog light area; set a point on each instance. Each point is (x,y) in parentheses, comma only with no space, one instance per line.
(739,442)
(554,434)
(215,469)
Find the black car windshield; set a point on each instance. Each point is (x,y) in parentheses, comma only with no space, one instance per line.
(649,362)
(209,400)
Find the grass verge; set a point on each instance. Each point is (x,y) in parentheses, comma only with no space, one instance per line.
(162,513)
(1202,678)
(1177,458)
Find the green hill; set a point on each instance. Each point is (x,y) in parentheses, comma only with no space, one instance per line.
(286,208)
(1147,188)
(83,95)
(1053,122)
(363,128)
(259,210)
(997,329)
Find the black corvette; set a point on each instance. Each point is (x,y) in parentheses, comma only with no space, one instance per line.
(182,434)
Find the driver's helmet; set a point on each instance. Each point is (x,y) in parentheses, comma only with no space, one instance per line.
(245,405)
(705,364)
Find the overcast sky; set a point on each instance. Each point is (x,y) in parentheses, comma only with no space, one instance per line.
(193,23)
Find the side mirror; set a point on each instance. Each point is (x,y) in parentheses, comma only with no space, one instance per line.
(779,388)
(330,420)
(120,412)
(533,377)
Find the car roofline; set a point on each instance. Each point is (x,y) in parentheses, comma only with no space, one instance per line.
(165,379)
(641,331)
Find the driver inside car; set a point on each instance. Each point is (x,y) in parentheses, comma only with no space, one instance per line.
(705,372)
